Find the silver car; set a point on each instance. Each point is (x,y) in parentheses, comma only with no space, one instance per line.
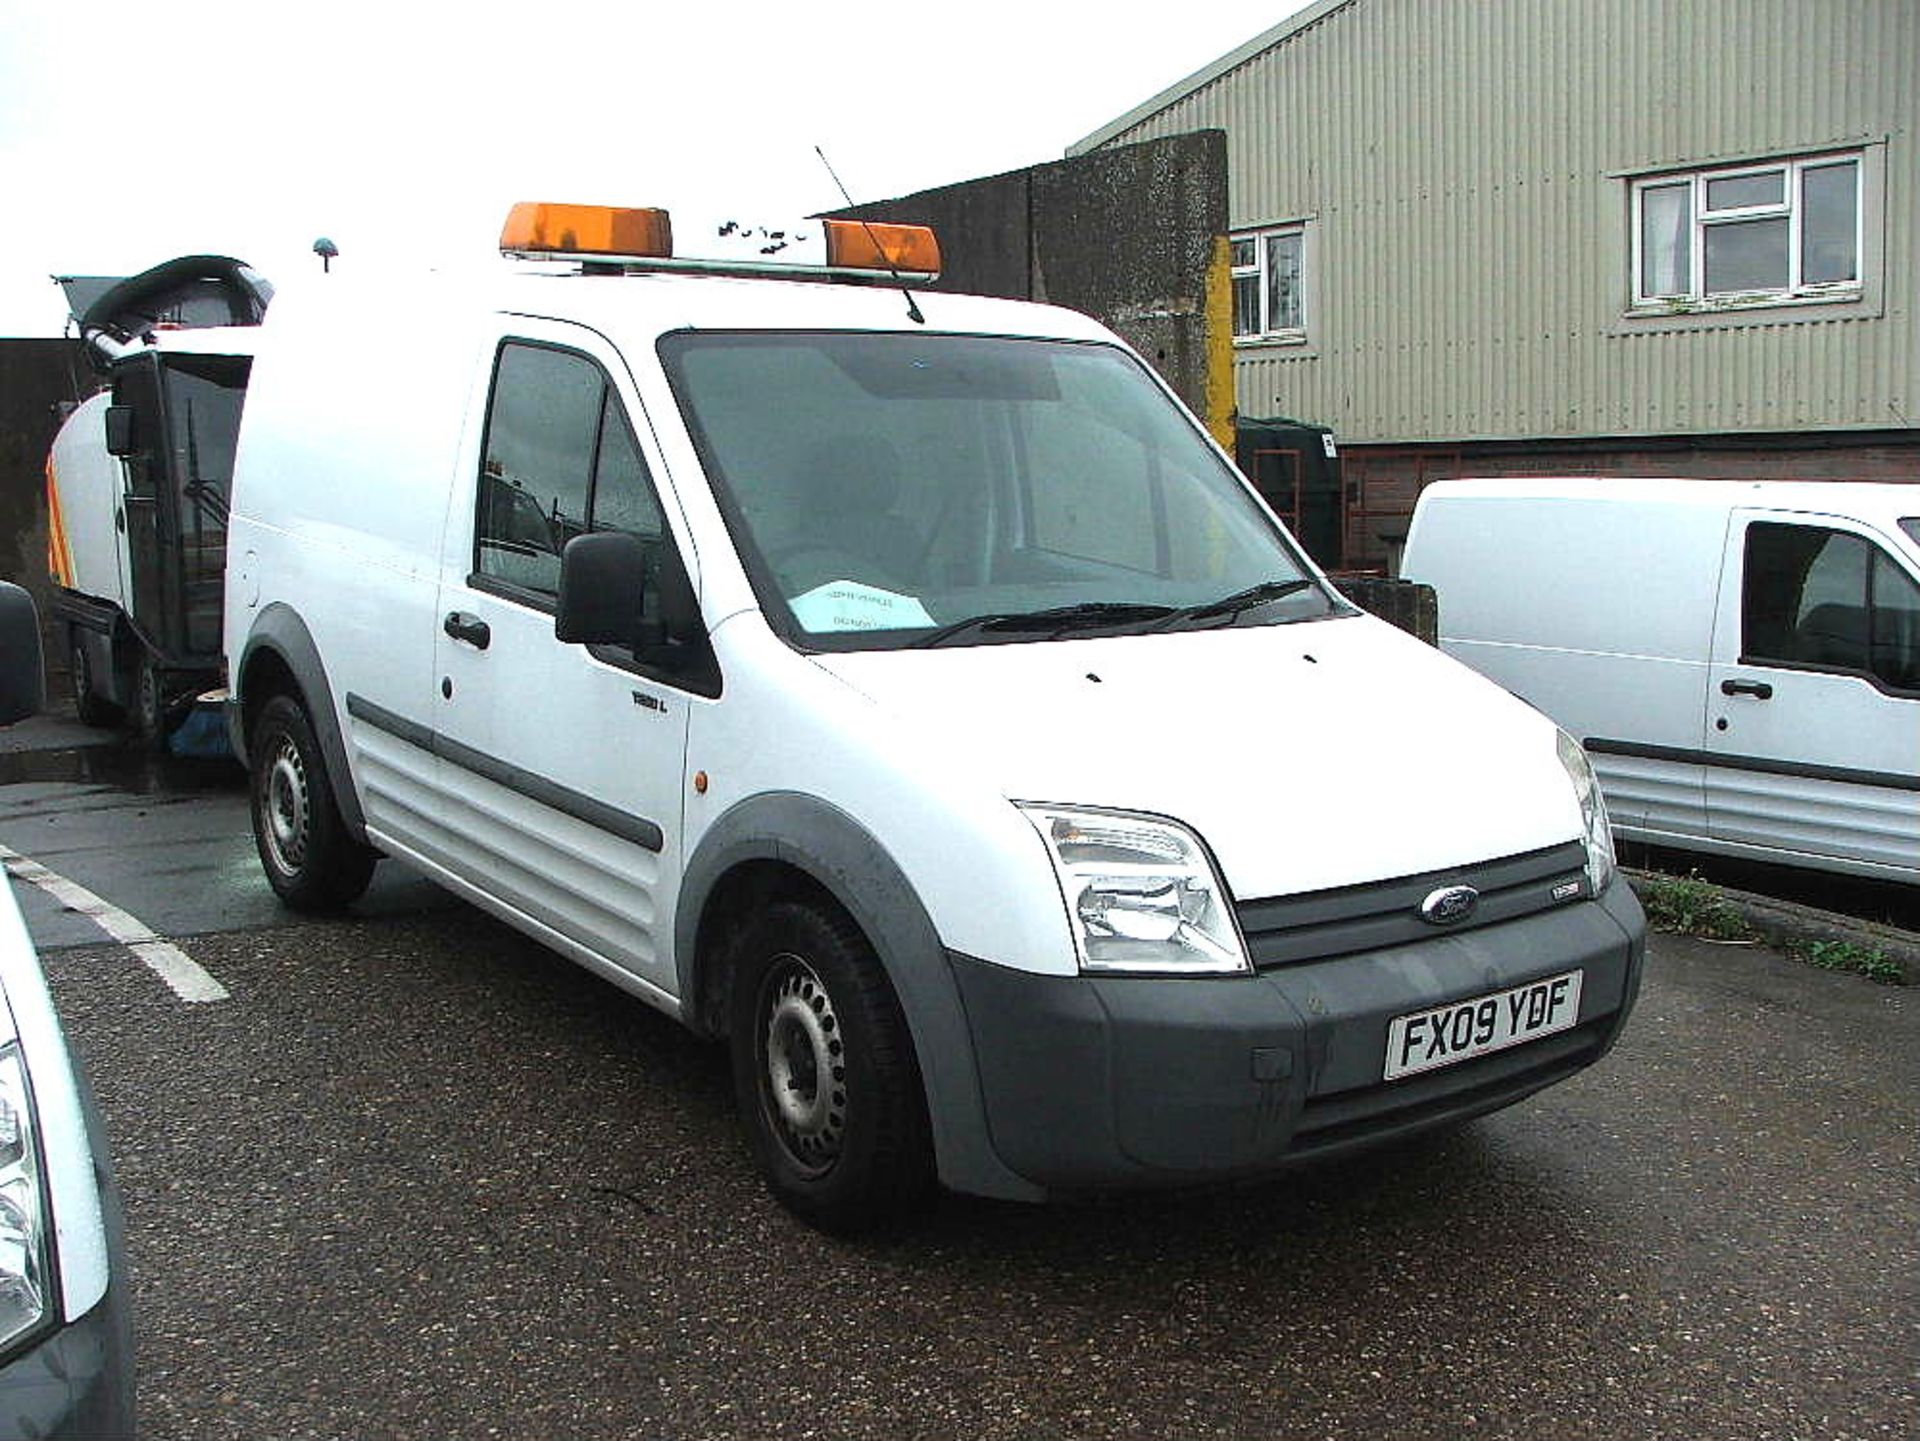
(66,1335)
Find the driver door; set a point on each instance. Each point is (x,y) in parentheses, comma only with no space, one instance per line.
(561,765)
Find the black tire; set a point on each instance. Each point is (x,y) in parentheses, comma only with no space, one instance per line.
(149,705)
(311,860)
(89,705)
(824,1072)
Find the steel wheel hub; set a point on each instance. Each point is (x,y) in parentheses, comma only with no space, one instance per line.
(287,807)
(805,1072)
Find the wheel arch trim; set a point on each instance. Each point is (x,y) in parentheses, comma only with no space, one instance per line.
(281,632)
(834,851)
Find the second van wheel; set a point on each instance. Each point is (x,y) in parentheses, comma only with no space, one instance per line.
(824,1072)
(311,861)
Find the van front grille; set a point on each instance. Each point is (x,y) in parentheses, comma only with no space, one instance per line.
(1348,919)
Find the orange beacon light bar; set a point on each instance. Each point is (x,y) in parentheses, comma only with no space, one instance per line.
(878,245)
(874,251)
(542,228)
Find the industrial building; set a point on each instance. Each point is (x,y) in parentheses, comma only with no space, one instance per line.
(1571,236)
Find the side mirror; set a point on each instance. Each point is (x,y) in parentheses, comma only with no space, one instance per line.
(603,577)
(121,439)
(23,687)
(617,589)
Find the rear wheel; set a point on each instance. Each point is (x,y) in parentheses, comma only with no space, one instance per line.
(150,705)
(824,1072)
(88,704)
(312,862)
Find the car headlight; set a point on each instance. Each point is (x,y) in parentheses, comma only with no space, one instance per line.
(1142,894)
(1593,812)
(23,1238)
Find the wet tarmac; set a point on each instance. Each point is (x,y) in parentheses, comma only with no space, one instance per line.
(126,765)
(165,838)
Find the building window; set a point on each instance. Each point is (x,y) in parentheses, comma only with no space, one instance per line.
(1753,234)
(1269,284)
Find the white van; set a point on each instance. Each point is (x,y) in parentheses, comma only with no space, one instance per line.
(1742,660)
(907,690)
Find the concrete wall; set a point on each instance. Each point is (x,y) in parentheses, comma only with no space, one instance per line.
(1134,236)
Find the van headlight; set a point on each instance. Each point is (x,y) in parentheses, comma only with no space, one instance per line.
(23,1231)
(1143,897)
(1593,812)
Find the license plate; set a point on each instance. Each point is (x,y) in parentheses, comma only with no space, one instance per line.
(1461,1030)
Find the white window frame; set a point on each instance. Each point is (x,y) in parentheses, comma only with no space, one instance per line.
(1262,239)
(1701,220)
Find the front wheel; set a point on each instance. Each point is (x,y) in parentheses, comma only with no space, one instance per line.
(824,1072)
(312,862)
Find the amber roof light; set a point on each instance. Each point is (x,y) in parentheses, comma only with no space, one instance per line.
(542,228)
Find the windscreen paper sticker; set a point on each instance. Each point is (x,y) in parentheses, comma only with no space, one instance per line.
(849,605)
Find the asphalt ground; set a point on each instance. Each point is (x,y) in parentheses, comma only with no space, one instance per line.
(419,1178)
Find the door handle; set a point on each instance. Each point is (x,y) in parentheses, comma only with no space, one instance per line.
(469,628)
(1758,689)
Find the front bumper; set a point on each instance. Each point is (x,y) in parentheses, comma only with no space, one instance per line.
(78,1382)
(1110,1082)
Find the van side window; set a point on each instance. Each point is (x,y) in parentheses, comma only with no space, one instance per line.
(560,459)
(623,496)
(1896,626)
(1827,600)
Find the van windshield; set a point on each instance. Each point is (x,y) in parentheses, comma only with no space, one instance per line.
(891,490)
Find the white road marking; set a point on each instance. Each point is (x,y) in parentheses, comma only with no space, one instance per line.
(184,976)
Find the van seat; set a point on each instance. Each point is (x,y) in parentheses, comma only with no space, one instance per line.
(1832,635)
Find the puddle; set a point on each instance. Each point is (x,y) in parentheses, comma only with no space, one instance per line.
(130,767)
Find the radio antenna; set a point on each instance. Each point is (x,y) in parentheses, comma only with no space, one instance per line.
(913,310)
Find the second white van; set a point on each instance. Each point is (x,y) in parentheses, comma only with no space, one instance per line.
(1741,660)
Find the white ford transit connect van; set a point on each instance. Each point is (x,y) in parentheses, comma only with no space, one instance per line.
(1741,660)
(909,691)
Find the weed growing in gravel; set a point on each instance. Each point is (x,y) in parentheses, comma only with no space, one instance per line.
(1849,956)
(1689,906)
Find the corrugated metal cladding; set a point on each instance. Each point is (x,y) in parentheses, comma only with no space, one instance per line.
(1464,166)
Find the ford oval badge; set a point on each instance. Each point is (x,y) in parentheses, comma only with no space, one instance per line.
(1449,905)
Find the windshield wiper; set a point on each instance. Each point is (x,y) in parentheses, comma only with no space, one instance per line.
(1088,615)
(1241,600)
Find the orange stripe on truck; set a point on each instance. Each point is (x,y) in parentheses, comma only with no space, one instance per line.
(59,550)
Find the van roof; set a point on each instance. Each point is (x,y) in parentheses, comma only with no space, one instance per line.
(645,304)
(1882,501)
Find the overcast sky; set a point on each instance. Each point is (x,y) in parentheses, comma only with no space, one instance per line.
(132,131)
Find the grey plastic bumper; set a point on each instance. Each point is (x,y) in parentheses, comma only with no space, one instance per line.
(1097,1083)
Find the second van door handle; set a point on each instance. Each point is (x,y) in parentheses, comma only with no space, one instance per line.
(1758,689)
(469,628)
